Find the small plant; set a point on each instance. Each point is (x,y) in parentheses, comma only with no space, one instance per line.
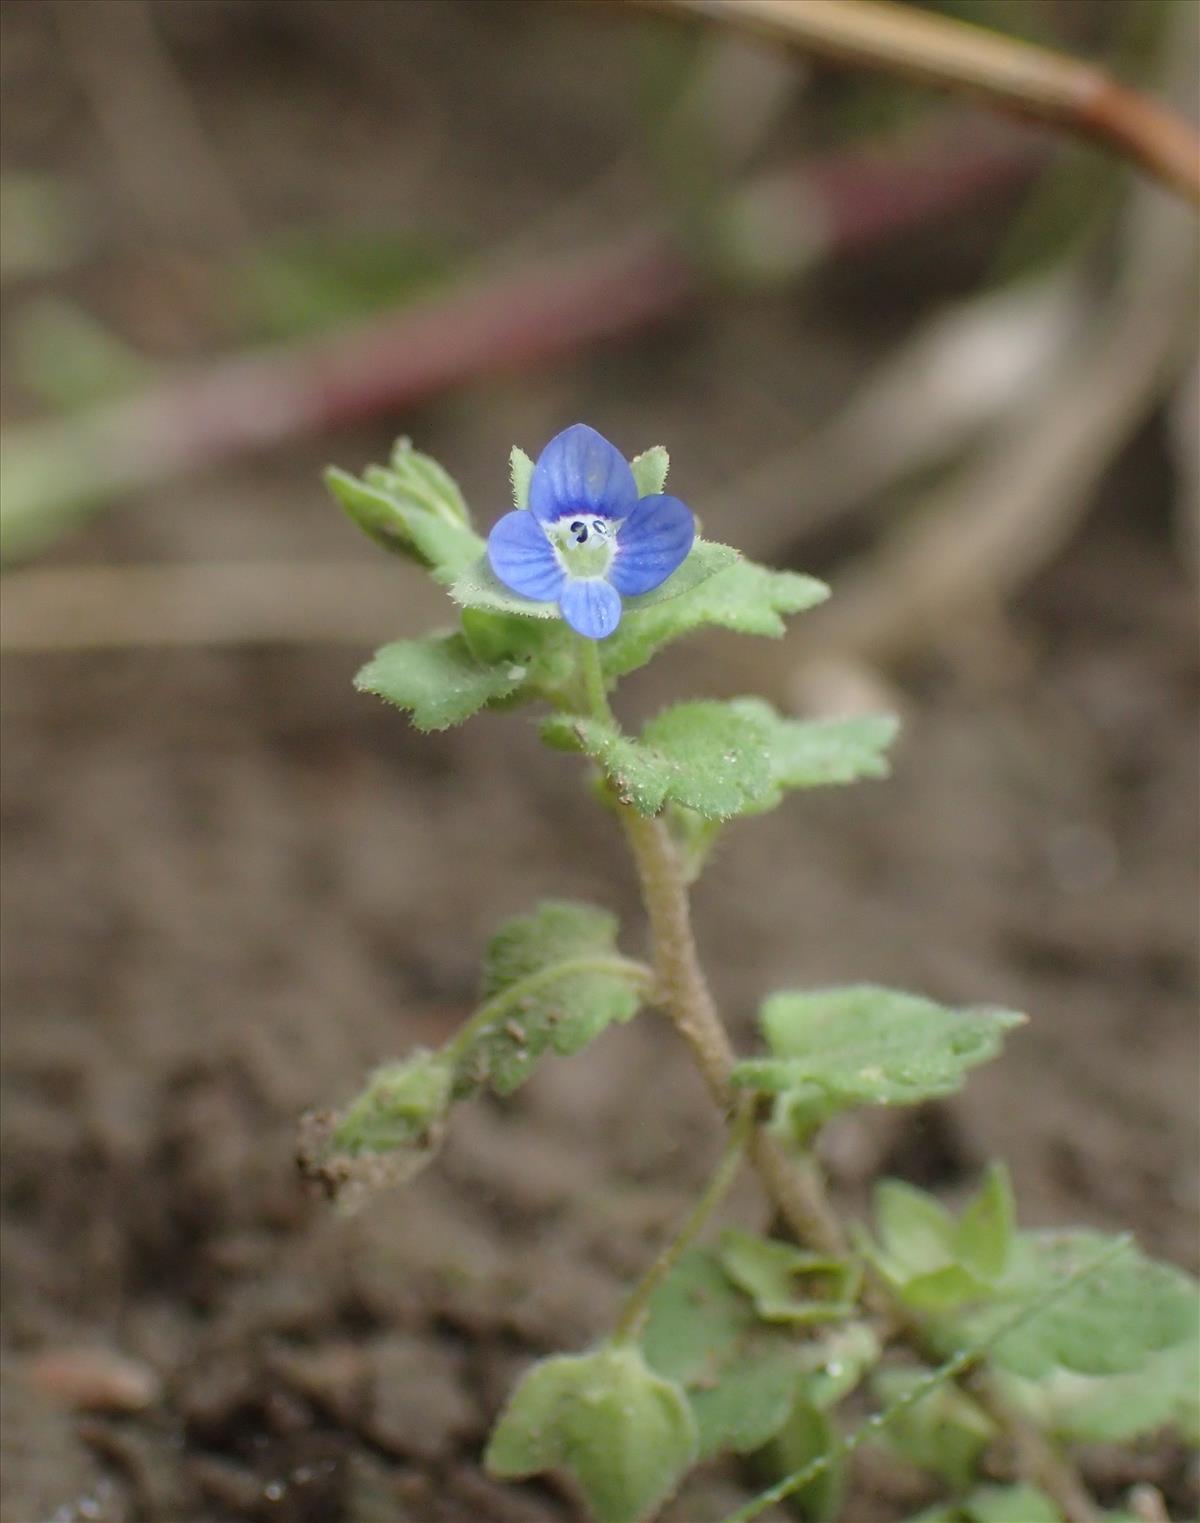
(964,1338)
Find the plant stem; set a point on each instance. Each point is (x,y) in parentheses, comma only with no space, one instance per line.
(633,1313)
(794,1187)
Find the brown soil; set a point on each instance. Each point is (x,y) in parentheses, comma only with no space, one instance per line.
(232,885)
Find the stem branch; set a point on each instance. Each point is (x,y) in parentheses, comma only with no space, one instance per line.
(634,1311)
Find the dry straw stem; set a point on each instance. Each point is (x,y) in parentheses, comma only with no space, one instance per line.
(999,520)
(1016,76)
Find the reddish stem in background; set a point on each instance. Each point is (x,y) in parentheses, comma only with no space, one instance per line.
(496,322)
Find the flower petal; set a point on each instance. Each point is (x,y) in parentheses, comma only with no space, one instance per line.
(579,471)
(591,607)
(524,559)
(652,542)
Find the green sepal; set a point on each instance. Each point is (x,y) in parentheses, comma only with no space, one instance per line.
(412,507)
(743,597)
(477,586)
(520,474)
(559,981)
(944,1432)
(625,1433)
(786,1283)
(438,680)
(650,470)
(866,1045)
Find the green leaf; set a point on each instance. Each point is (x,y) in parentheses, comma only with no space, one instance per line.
(935,1263)
(817,753)
(983,1239)
(995,1504)
(438,680)
(704,756)
(944,1432)
(555,980)
(403,1105)
(866,1045)
(744,597)
(837,1362)
(786,1283)
(625,1433)
(740,1375)
(724,759)
(807,1435)
(411,507)
(1111,1324)
(1114,1409)
(650,470)
(520,472)
(386,1136)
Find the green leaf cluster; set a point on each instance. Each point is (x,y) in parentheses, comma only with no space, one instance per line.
(625,1433)
(787,1283)
(412,507)
(745,1375)
(932,1260)
(1116,1358)
(865,1045)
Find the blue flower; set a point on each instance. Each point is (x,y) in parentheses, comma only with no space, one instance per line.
(587,539)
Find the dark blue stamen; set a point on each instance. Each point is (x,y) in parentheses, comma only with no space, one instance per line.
(579,530)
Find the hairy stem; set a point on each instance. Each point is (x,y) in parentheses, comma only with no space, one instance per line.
(795,1187)
(633,1314)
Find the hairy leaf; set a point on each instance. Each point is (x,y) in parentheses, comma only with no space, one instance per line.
(740,1375)
(866,1045)
(724,759)
(743,597)
(1111,1324)
(437,679)
(1112,1409)
(556,981)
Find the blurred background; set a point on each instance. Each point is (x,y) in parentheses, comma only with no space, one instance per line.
(944,360)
